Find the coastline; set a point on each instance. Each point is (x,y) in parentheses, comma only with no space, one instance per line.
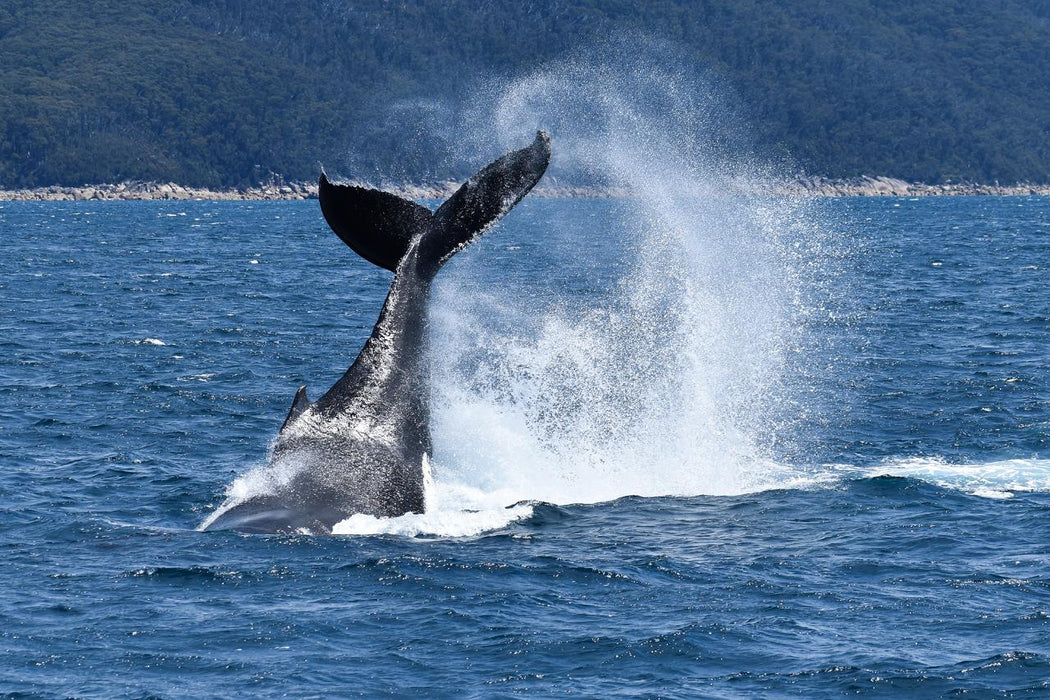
(803,186)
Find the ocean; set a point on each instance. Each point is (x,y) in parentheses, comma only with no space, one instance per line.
(684,446)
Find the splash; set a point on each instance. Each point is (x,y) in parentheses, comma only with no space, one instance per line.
(667,366)
(675,381)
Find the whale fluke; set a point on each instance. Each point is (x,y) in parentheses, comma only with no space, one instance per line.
(482,200)
(377,225)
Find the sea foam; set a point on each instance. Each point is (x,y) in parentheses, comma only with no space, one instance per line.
(995,479)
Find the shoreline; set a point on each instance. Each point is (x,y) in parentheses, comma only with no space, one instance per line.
(804,186)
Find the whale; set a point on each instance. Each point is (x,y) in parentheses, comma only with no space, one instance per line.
(364,446)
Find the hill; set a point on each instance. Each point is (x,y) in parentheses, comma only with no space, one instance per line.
(222,93)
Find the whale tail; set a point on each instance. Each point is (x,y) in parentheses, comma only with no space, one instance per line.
(380,227)
(377,225)
(481,201)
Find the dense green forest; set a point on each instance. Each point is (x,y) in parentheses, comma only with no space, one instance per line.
(234,92)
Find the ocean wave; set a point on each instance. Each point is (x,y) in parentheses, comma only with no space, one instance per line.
(996,479)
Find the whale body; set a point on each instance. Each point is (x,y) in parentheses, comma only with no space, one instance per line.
(362,447)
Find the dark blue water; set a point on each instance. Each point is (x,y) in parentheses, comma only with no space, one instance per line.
(149,351)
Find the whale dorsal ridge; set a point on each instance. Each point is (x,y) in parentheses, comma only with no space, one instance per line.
(299,404)
(377,225)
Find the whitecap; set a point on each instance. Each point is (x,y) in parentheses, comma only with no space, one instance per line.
(992,493)
(202,377)
(996,479)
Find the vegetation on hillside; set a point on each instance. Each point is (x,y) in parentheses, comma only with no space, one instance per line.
(234,92)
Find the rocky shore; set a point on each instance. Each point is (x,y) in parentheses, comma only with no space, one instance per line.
(805,186)
(156,190)
(866,186)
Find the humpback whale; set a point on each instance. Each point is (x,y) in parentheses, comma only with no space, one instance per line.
(362,447)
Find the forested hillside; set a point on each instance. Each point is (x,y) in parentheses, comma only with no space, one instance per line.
(233,92)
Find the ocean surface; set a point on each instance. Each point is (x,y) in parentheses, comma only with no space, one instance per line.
(683,448)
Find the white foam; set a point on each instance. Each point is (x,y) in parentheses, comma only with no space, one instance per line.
(150,341)
(203,377)
(997,479)
(992,493)
(452,510)
(440,523)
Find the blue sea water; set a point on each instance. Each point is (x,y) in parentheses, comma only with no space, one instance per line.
(852,496)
